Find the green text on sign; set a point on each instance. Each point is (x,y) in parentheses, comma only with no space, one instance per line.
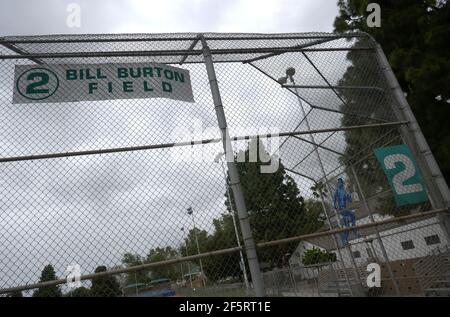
(403,174)
(90,82)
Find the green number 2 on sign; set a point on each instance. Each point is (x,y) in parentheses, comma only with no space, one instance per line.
(33,87)
(403,176)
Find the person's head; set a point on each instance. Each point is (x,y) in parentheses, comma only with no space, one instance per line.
(340,182)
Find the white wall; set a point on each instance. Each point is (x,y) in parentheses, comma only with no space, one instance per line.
(392,239)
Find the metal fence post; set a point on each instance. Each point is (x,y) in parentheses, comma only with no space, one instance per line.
(438,188)
(377,233)
(235,184)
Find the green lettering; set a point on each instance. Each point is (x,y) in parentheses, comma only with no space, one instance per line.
(166,87)
(147,72)
(71,74)
(92,87)
(158,71)
(168,73)
(137,74)
(122,72)
(147,86)
(88,76)
(127,86)
(99,73)
(179,77)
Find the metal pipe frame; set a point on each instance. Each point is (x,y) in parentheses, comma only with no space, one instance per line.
(20,51)
(350,159)
(249,243)
(242,262)
(182,52)
(319,145)
(174,38)
(321,41)
(323,77)
(316,146)
(189,143)
(334,87)
(313,106)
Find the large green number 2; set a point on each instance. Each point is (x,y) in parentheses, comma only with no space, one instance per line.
(32,88)
(401,177)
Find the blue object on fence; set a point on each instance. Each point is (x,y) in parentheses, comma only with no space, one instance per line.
(348,219)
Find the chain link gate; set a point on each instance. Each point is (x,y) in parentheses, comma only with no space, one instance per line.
(138,197)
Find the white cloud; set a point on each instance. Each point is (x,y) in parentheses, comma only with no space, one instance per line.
(23,17)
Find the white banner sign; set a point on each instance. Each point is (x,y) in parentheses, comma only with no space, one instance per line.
(87,82)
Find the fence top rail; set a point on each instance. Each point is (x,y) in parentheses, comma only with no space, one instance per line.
(192,142)
(170,37)
(224,46)
(182,52)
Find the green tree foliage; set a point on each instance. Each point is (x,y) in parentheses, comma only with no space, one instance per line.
(48,274)
(141,276)
(414,35)
(104,286)
(274,204)
(190,242)
(316,255)
(224,236)
(319,189)
(172,271)
(79,292)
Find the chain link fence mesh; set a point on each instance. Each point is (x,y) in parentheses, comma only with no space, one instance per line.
(163,221)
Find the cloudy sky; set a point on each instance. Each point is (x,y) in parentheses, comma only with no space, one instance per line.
(91,210)
(24,17)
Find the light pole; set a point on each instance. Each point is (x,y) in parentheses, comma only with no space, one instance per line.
(242,263)
(187,254)
(191,213)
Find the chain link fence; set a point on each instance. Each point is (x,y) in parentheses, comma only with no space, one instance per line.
(139,196)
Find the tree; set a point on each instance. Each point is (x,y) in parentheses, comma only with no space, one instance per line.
(224,236)
(164,271)
(141,276)
(316,255)
(79,292)
(48,274)
(414,37)
(104,286)
(191,243)
(276,209)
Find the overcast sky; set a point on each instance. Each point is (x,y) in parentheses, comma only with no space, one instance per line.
(25,17)
(92,210)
